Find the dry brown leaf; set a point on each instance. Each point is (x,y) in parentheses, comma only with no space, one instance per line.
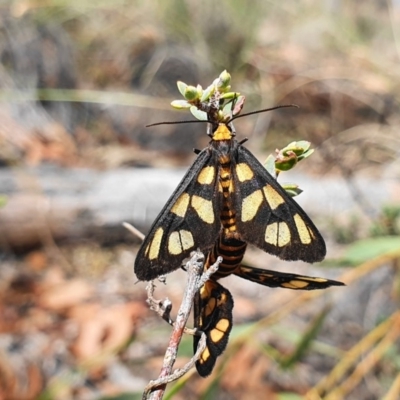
(104,329)
(66,294)
(243,360)
(35,380)
(36,261)
(236,379)
(20,385)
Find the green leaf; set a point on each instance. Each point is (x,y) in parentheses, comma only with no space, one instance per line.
(180,104)
(207,93)
(292,189)
(371,248)
(199,91)
(230,95)
(306,154)
(306,340)
(191,93)
(286,162)
(182,87)
(200,115)
(269,165)
(305,144)
(224,81)
(300,147)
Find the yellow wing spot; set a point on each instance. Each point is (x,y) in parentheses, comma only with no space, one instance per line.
(205,355)
(302,230)
(206,176)
(216,335)
(244,172)
(186,239)
(203,208)
(271,234)
(154,248)
(277,234)
(283,234)
(250,205)
(274,199)
(181,205)
(220,329)
(295,284)
(223,298)
(210,307)
(205,292)
(179,242)
(223,324)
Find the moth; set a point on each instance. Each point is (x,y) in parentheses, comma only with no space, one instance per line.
(213,304)
(227,191)
(226,200)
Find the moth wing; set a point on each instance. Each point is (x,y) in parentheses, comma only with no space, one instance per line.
(189,220)
(212,311)
(268,217)
(285,280)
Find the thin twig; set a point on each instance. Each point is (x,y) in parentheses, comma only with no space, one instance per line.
(133,230)
(207,274)
(194,269)
(178,373)
(161,307)
(196,279)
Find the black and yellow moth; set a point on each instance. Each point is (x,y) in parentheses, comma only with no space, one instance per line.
(227,191)
(227,200)
(213,303)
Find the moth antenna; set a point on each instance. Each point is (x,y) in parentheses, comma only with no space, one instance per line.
(262,111)
(176,122)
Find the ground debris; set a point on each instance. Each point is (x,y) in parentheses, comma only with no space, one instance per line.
(60,334)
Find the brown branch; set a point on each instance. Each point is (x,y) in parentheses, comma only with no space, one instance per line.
(178,373)
(161,307)
(196,279)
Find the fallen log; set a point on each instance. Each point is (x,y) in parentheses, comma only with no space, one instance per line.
(50,203)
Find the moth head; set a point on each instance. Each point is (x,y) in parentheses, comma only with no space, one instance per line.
(221,131)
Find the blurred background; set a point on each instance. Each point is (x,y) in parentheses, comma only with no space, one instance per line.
(79,81)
